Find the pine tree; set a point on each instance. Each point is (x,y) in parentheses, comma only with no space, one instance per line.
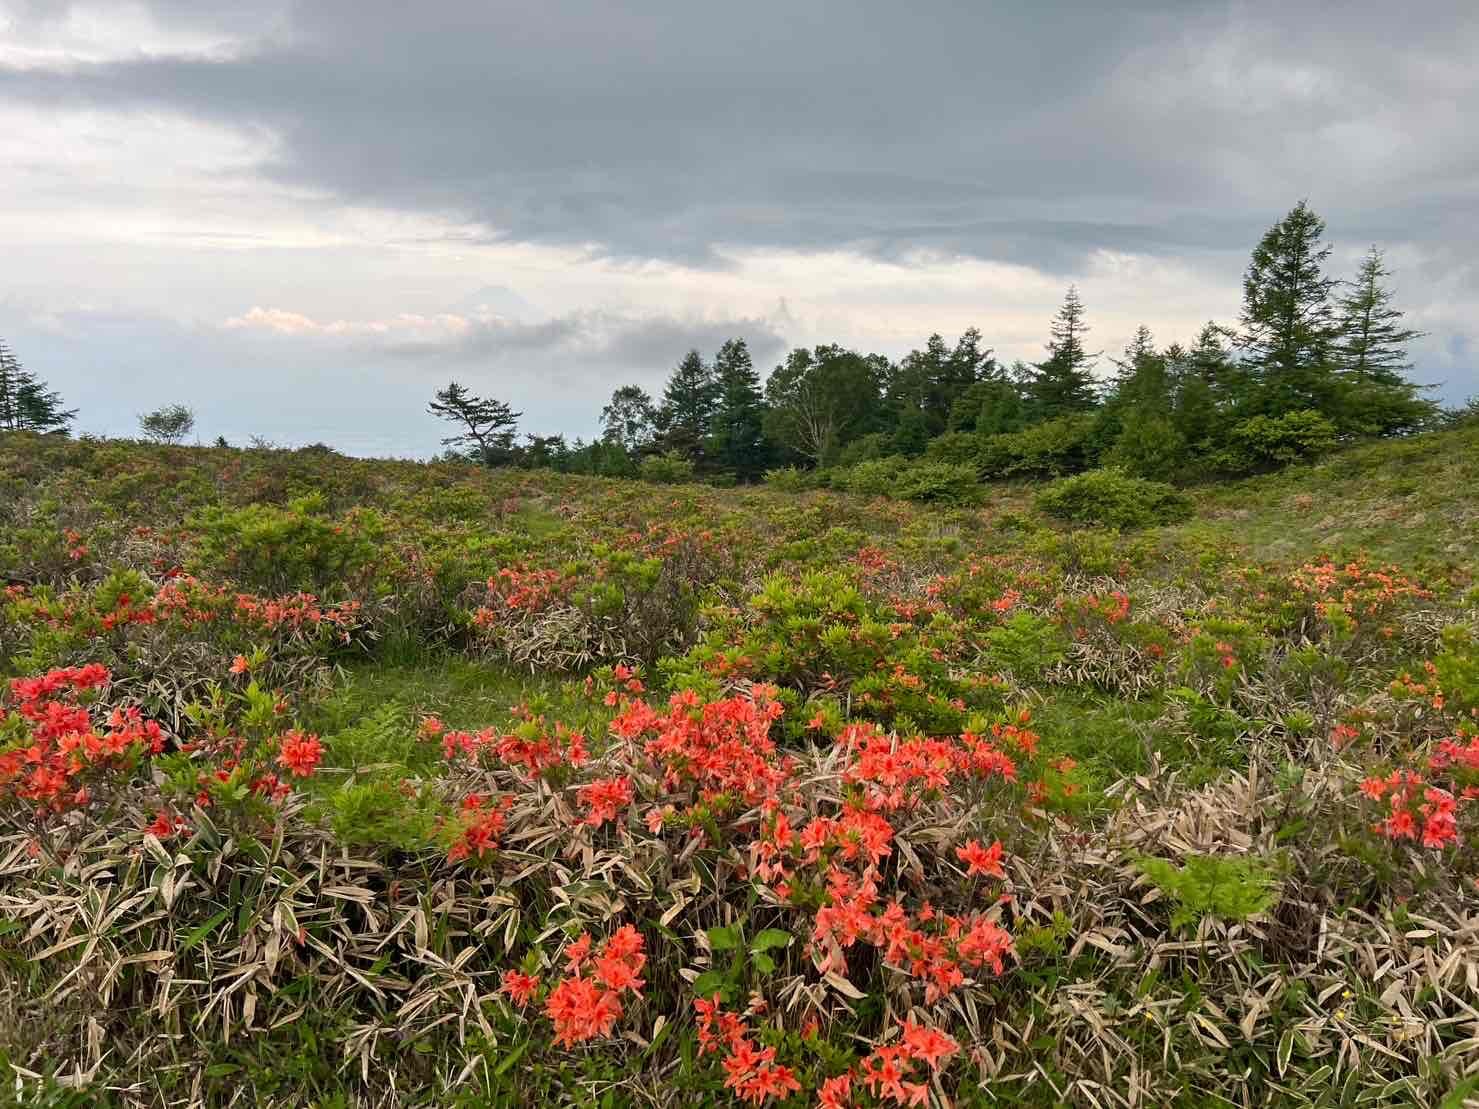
(688,403)
(489,425)
(1141,376)
(1373,342)
(1289,330)
(26,404)
(739,416)
(1064,383)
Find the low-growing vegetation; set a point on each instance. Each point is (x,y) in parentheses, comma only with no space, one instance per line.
(335,782)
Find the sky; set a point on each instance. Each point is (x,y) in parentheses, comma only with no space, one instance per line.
(303,218)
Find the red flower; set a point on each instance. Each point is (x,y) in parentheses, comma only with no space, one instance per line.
(981,860)
(300,753)
(519,987)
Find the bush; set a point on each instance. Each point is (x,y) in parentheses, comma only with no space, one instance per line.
(870,479)
(1272,442)
(1225,889)
(275,550)
(937,481)
(670,468)
(1114,499)
(961,448)
(1048,449)
(1149,446)
(790,479)
(865,448)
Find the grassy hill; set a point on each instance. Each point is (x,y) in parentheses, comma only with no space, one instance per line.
(853,800)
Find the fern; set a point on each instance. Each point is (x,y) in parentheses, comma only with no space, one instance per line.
(1212,885)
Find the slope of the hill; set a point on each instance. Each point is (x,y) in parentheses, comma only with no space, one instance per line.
(333,781)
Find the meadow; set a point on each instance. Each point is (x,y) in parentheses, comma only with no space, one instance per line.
(337,782)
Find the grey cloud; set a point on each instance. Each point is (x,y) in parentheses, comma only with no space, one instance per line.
(1032,133)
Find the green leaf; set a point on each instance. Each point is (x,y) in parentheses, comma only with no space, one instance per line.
(771,937)
(510,1059)
(763,962)
(197,934)
(711,982)
(723,939)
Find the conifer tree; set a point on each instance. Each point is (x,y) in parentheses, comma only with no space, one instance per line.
(739,415)
(688,403)
(1289,331)
(488,425)
(1373,342)
(1064,382)
(26,404)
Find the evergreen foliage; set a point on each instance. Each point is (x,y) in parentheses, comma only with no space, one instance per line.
(26,404)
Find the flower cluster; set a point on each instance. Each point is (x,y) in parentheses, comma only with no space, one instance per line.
(749,1070)
(59,745)
(1416,810)
(588,1002)
(479,827)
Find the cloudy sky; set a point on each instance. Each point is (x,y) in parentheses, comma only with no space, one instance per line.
(301,218)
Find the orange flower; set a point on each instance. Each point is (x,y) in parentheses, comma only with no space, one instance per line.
(981,860)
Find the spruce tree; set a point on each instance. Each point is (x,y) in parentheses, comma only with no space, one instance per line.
(26,404)
(1064,382)
(1289,331)
(1373,342)
(739,416)
(688,403)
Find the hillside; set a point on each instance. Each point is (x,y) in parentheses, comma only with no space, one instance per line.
(335,781)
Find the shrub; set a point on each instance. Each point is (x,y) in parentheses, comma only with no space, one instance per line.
(670,468)
(1048,449)
(791,479)
(870,479)
(298,547)
(1272,442)
(936,481)
(865,448)
(1115,499)
(1149,446)
(1027,644)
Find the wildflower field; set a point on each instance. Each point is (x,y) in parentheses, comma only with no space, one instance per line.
(338,782)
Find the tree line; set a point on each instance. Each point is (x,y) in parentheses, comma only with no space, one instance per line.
(1312,360)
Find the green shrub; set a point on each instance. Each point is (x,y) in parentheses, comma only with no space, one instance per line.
(870,479)
(936,481)
(1115,499)
(1026,645)
(1048,449)
(1149,446)
(865,448)
(1272,442)
(278,550)
(670,468)
(791,479)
